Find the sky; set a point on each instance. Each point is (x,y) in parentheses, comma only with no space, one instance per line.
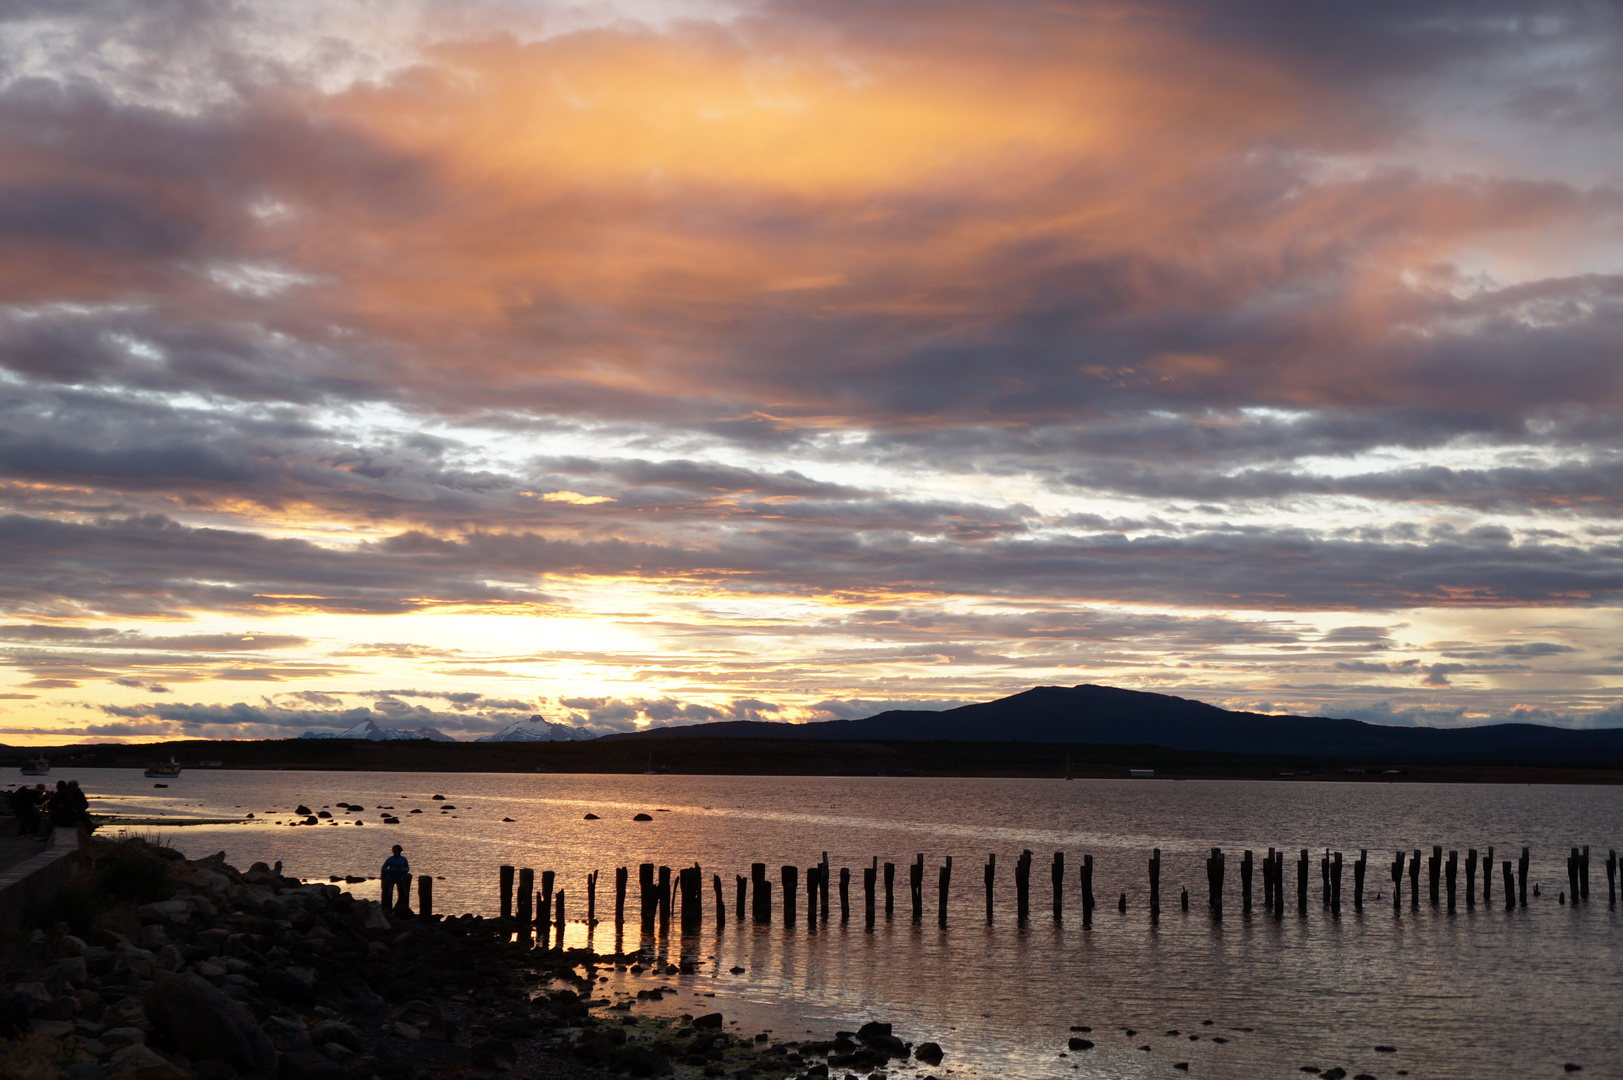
(645,363)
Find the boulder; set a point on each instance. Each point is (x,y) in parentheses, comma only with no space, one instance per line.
(1080,1044)
(135,1056)
(708,1020)
(303,810)
(202,1022)
(929,1053)
(643,817)
(873,1029)
(336,1031)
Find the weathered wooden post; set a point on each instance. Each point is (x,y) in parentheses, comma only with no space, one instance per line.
(1324,878)
(1268,881)
(1087,891)
(692,898)
(991,870)
(558,932)
(869,886)
(1301,883)
(1583,872)
(1453,874)
(1155,884)
(648,895)
(1022,888)
(791,886)
(845,895)
(1335,887)
(822,877)
(1414,879)
(915,888)
(1521,876)
(425,895)
(890,891)
(1470,877)
(505,875)
(1359,869)
(664,899)
(1279,884)
(1572,875)
(721,903)
(1611,878)
(1121,905)
(543,907)
(1214,880)
(1056,874)
(1434,872)
(943,884)
(762,894)
(1487,878)
(591,898)
(1245,882)
(1510,889)
(1397,882)
(813,893)
(620,877)
(1183,899)
(742,884)
(526,895)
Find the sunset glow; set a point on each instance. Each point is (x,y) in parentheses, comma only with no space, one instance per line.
(654,364)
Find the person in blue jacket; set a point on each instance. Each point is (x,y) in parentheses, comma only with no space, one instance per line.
(396,877)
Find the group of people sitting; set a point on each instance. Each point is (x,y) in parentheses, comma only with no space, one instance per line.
(39,811)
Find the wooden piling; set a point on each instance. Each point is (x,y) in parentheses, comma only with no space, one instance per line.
(813,894)
(1301,883)
(1324,878)
(505,875)
(1214,881)
(1611,878)
(1279,884)
(822,878)
(1453,873)
(915,888)
(1434,873)
(1056,875)
(890,891)
(1470,877)
(1121,905)
(1487,878)
(1335,886)
(943,884)
(791,887)
(620,876)
(543,908)
(1268,881)
(647,896)
(845,895)
(1583,872)
(591,898)
(1521,876)
(1183,899)
(762,913)
(1155,884)
(1510,889)
(663,896)
(558,922)
(1087,891)
(1359,869)
(721,903)
(1572,876)
(1414,879)
(425,896)
(869,874)
(743,896)
(526,895)
(691,884)
(1022,888)
(991,871)
(1245,882)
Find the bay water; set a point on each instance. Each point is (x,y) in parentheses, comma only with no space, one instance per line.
(1481,992)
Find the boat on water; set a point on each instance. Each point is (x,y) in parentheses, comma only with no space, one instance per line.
(37,767)
(163,770)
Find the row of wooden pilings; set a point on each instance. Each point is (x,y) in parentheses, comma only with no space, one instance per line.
(660,889)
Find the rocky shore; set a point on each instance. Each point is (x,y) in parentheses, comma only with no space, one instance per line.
(157,967)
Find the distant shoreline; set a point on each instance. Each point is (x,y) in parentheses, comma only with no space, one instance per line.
(769,757)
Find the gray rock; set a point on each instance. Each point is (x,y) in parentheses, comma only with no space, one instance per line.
(205,1023)
(133,1057)
(929,1053)
(336,1031)
(124,1036)
(126,1012)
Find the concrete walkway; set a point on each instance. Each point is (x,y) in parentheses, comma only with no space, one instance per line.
(32,872)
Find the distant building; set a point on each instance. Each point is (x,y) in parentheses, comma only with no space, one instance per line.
(1144,774)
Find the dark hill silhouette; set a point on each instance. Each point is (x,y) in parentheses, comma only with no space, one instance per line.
(1107,715)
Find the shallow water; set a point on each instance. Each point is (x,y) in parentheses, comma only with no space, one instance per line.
(1480,993)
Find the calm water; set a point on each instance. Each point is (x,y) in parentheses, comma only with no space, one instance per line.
(1483,993)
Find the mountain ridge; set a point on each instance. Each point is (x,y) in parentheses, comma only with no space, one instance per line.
(1107,715)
